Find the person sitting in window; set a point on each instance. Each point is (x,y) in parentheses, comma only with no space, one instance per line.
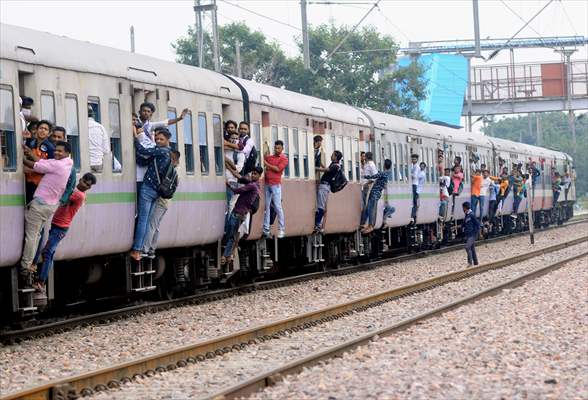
(99,143)
(42,148)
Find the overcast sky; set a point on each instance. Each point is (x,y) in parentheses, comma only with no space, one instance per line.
(158,23)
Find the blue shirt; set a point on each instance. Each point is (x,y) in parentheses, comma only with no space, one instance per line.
(156,155)
(492,191)
(381,179)
(471,225)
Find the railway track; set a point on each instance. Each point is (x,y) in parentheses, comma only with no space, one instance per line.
(113,377)
(45,329)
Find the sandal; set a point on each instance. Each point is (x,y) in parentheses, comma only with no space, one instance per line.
(223,260)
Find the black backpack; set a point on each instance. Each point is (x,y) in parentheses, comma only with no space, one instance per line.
(338,182)
(251,161)
(167,186)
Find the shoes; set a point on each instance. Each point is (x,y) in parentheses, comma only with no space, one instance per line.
(135,255)
(317,229)
(266,235)
(281,234)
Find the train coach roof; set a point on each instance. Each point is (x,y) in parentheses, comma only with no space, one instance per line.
(42,48)
(410,126)
(301,103)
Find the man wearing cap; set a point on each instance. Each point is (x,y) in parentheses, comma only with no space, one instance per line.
(98,142)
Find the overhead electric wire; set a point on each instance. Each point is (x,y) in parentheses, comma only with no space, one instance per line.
(519,17)
(568,18)
(262,15)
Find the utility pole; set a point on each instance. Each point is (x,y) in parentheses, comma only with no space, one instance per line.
(476,28)
(305,45)
(215,53)
(199,33)
(539,132)
(469,93)
(238,59)
(132,39)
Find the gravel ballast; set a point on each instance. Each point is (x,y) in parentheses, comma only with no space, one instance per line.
(84,349)
(525,343)
(206,378)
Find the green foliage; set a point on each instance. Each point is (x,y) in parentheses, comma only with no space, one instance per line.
(260,59)
(351,75)
(556,136)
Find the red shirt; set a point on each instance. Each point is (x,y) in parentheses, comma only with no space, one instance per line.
(272,177)
(64,214)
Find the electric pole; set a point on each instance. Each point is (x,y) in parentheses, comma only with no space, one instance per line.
(567,53)
(305,45)
(132,39)
(238,59)
(476,28)
(199,33)
(215,53)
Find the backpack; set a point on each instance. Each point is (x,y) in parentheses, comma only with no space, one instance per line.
(168,185)
(338,182)
(251,161)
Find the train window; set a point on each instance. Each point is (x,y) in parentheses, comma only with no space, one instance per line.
(286,139)
(339,146)
(7,130)
(48,106)
(203,143)
(257,138)
(94,104)
(401,160)
(434,176)
(274,137)
(349,156)
(173,129)
(188,144)
(357,157)
(406,156)
(72,126)
(295,141)
(333,145)
(305,153)
(217,131)
(115,139)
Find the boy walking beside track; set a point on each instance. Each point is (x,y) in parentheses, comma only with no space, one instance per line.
(471,229)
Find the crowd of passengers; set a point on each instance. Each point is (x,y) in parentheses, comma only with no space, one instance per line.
(53,195)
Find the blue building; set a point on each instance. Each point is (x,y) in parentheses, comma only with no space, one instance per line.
(446,76)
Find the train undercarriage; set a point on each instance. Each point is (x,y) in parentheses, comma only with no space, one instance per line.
(107,281)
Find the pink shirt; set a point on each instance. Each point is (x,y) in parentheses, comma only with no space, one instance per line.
(55,176)
(456,178)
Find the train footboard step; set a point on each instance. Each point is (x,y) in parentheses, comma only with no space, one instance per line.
(140,274)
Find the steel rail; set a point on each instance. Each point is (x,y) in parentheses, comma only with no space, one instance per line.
(47,329)
(275,375)
(114,376)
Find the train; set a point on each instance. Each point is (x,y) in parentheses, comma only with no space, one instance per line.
(66,76)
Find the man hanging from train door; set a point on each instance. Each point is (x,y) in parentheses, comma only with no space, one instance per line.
(414,172)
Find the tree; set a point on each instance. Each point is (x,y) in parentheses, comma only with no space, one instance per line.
(359,73)
(261,60)
(556,136)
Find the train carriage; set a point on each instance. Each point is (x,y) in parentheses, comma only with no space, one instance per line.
(65,83)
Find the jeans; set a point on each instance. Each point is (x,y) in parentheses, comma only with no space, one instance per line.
(370,211)
(475,200)
(365,191)
(470,248)
(482,203)
(157,213)
(322,197)
(415,202)
(232,233)
(515,205)
(443,208)
(492,206)
(147,198)
(555,197)
(37,214)
(56,235)
(273,194)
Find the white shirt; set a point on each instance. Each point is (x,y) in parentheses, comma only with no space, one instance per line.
(485,188)
(147,140)
(414,173)
(421,176)
(230,154)
(368,169)
(99,143)
(249,145)
(444,182)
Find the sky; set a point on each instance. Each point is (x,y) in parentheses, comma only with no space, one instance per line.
(158,23)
